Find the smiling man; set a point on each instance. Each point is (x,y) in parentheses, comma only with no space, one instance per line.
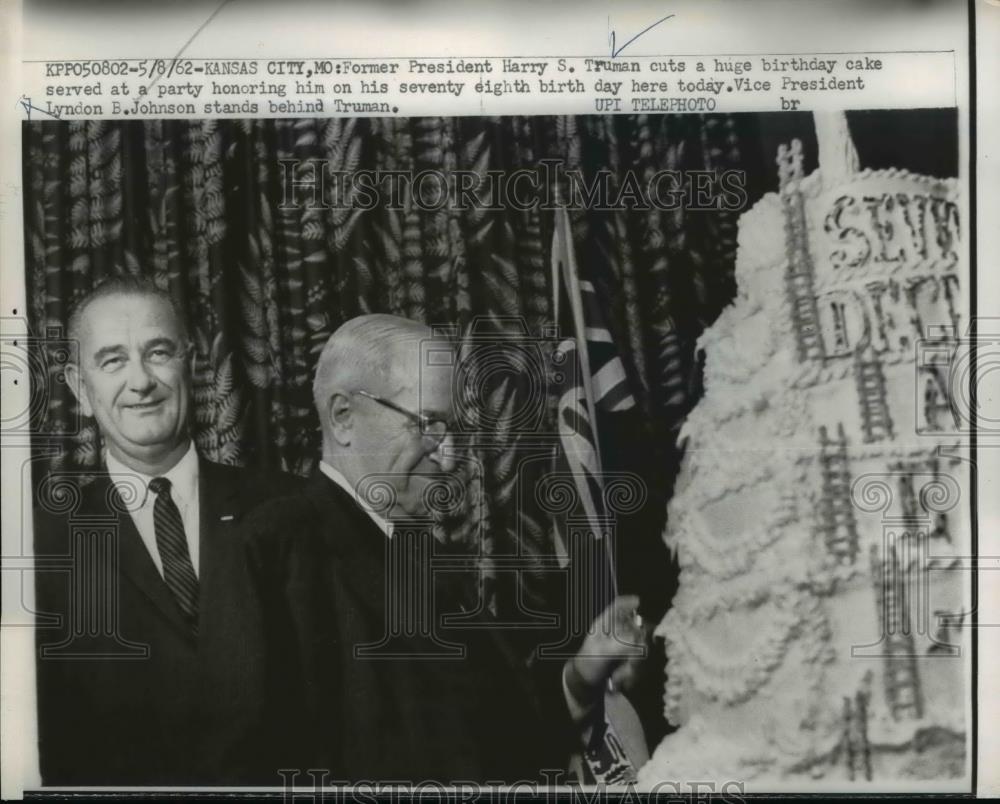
(134,378)
(134,687)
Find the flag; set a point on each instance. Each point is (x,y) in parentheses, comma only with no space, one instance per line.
(589,381)
(609,385)
(590,376)
(579,451)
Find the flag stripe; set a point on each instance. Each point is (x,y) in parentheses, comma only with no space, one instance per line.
(575,422)
(596,335)
(611,386)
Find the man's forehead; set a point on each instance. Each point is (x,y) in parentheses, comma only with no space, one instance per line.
(414,378)
(421,385)
(411,359)
(436,390)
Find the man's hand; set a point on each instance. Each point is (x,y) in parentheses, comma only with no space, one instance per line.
(611,653)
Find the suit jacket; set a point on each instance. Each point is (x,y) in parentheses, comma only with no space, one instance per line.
(127,694)
(356,686)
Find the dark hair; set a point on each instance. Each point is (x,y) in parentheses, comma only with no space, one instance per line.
(124,285)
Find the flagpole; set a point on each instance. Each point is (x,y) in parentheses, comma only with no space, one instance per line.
(557,248)
(572,280)
(564,237)
(619,750)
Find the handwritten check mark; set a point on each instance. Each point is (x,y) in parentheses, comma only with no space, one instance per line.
(616,50)
(25,102)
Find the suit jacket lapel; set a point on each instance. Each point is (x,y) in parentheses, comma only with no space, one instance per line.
(356,543)
(136,564)
(220,509)
(219,489)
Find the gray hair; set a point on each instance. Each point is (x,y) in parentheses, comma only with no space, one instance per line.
(124,285)
(365,351)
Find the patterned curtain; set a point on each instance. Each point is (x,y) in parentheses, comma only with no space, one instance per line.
(197,206)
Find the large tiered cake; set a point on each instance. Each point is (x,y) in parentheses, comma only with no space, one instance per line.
(816,637)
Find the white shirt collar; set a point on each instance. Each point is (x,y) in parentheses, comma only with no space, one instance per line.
(183,479)
(384,525)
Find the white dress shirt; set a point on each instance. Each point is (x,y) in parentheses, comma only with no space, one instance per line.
(183,490)
(384,525)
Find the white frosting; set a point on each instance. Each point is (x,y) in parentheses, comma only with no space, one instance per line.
(779,670)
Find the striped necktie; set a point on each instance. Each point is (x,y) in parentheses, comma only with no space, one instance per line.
(178,571)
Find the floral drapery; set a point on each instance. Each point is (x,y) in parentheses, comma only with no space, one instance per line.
(197,206)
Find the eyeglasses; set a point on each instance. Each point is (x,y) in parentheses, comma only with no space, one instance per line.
(433,430)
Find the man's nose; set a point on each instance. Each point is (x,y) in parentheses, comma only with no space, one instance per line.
(444,454)
(139,377)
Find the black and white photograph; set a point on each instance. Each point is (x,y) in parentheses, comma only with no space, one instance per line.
(399,420)
(497,449)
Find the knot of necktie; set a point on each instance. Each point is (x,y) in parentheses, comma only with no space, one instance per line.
(159,485)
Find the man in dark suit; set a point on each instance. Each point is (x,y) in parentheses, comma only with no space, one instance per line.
(135,685)
(382,662)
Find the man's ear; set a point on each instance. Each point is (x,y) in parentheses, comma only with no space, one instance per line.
(74,379)
(340,417)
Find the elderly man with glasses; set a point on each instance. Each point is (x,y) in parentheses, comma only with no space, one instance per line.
(384,417)
(367,678)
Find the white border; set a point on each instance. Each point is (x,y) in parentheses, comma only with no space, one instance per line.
(520,27)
